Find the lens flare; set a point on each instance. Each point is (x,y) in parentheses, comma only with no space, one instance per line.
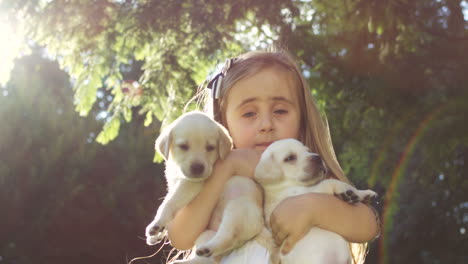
(390,202)
(11,46)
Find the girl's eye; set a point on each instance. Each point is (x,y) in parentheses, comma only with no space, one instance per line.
(184,147)
(210,148)
(249,114)
(281,111)
(290,158)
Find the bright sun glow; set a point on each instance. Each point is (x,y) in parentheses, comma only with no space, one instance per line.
(464,5)
(11,47)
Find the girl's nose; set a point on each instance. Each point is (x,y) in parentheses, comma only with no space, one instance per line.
(266,124)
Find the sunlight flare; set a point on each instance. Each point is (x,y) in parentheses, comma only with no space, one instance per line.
(12,46)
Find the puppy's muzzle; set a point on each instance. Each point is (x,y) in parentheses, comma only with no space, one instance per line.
(316,163)
(197,169)
(315,170)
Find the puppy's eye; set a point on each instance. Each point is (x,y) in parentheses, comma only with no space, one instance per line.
(184,147)
(210,148)
(290,158)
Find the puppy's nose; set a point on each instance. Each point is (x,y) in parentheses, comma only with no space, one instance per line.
(197,168)
(315,158)
(317,162)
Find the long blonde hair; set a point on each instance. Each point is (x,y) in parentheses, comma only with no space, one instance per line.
(314,130)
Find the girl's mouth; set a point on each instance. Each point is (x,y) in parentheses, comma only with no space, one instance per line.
(264,144)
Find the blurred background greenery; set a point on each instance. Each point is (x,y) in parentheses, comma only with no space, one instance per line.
(86,86)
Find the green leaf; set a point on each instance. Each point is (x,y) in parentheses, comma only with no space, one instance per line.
(110,131)
(380,30)
(127,113)
(148,118)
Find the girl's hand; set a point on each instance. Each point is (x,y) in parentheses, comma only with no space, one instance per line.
(243,162)
(287,229)
(356,223)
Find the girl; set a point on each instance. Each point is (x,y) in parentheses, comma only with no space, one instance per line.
(261,97)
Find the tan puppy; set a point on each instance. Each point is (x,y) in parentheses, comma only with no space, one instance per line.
(190,146)
(287,168)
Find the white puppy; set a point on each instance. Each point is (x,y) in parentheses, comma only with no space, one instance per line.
(190,146)
(287,168)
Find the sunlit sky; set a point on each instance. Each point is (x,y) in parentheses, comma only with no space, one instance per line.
(12,44)
(464,5)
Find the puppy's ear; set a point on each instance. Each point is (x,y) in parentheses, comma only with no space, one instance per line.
(163,142)
(268,169)
(224,142)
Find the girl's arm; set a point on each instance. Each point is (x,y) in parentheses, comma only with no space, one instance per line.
(356,223)
(193,219)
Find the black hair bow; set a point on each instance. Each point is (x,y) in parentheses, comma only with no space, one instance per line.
(215,83)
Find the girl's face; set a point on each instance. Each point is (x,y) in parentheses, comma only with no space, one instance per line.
(263,108)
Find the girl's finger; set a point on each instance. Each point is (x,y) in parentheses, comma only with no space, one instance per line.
(279,234)
(279,237)
(274,224)
(291,240)
(286,247)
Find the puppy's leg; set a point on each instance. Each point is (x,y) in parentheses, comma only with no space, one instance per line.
(181,195)
(194,258)
(345,191)
(242,220)
(265,239)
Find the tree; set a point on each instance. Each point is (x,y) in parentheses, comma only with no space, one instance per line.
(390,75)
(65,197)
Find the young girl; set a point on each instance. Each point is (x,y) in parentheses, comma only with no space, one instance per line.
(261,97)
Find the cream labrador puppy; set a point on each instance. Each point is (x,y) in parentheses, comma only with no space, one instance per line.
(190,146)
(287,168)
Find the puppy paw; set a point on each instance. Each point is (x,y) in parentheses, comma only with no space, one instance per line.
(155,232)
(153,240)
(355,196)
(204,252)
(369,197)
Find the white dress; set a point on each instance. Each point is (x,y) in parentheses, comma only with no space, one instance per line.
(251,252)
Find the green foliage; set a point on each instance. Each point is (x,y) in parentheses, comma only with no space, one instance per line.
(377,68)
(88,202)
(110,131)
(176,41)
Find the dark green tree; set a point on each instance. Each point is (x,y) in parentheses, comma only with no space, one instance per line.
(391,76)
(66,198)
